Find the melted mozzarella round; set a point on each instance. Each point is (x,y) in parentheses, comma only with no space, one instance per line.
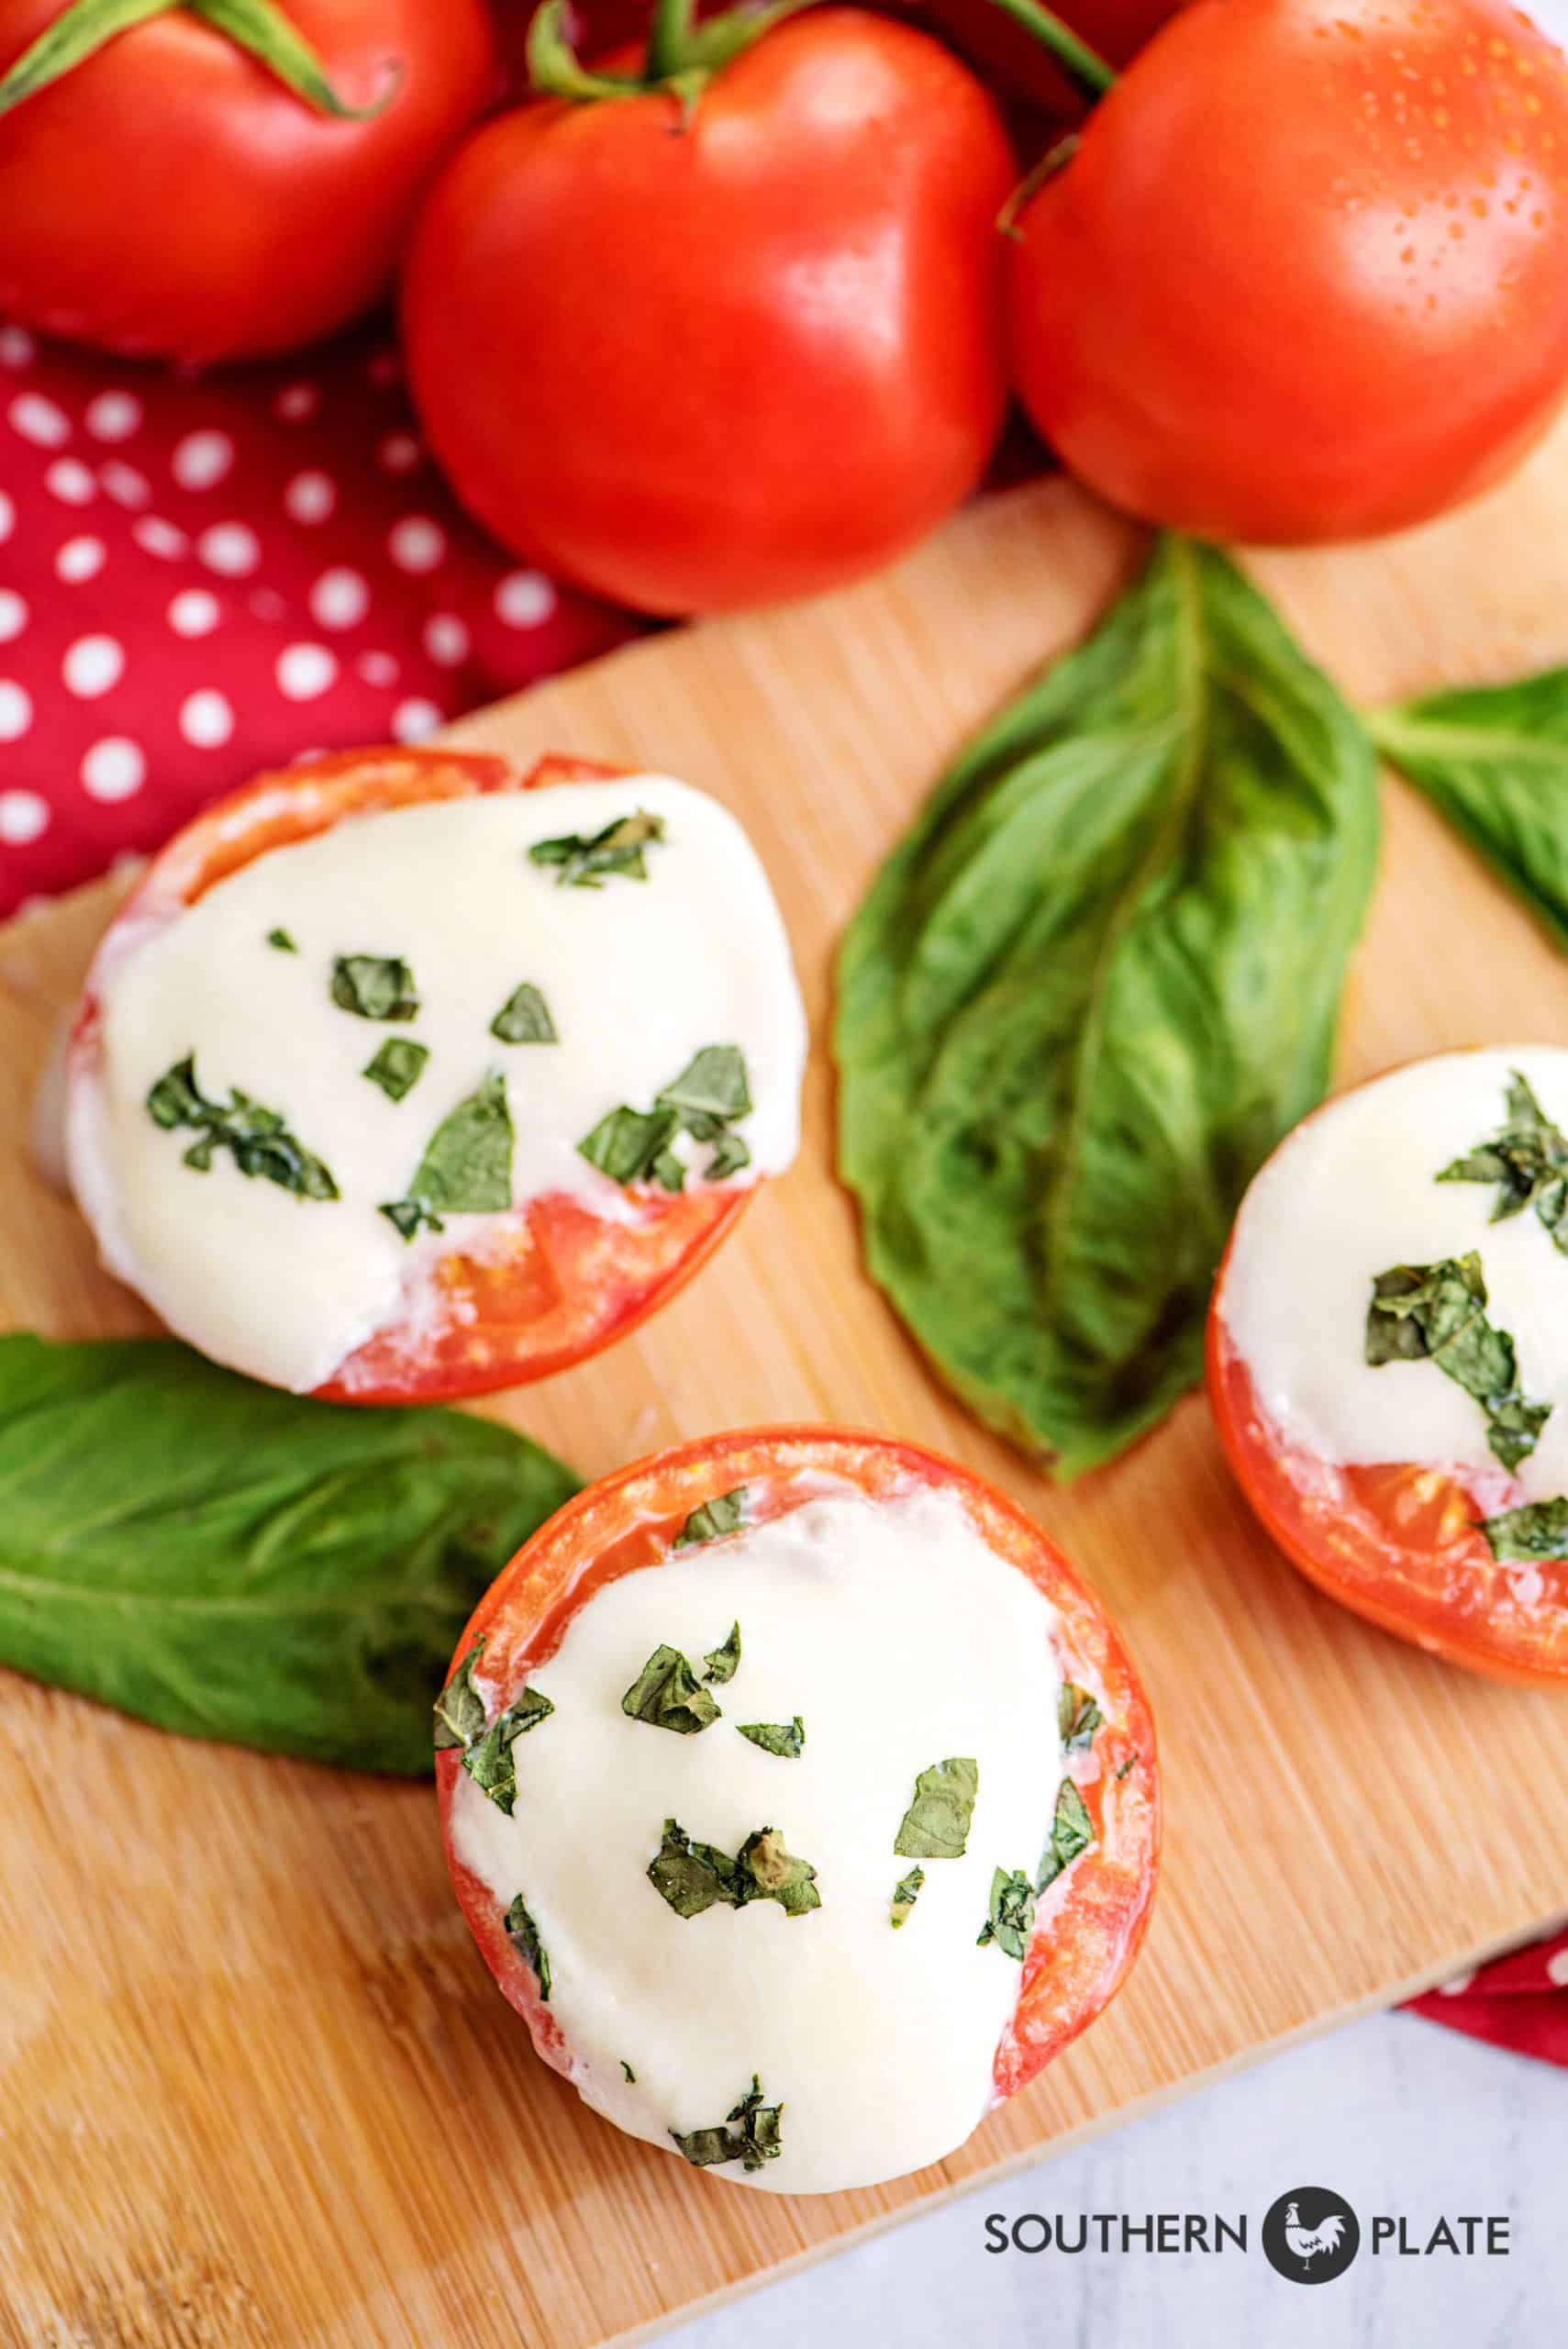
(1353,1193)
(901,1640)
(639,975)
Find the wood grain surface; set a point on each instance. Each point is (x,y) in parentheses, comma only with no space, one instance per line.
(258,2086)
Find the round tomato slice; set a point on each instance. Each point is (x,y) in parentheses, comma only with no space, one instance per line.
(557,1281)
(1089,1922)
(1398,1544)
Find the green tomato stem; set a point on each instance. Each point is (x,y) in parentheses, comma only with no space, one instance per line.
(258,27)
(1085,65)
(69,40)
(669,39)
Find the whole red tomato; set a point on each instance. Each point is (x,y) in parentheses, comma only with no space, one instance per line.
(1306,275)
(170,196)
(693,361)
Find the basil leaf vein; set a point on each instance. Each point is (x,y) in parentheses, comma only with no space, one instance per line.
(668,1694)
(1087,994)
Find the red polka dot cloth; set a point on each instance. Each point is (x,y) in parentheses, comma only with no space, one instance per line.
(204,577)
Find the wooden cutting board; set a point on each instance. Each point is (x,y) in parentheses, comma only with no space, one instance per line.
(258,2086)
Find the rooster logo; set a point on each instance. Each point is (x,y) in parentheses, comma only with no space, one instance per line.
(1311,2234)
(1308,2242)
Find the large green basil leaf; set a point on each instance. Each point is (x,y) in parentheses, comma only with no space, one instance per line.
(235,1563)
(1089,992)
(1493,761)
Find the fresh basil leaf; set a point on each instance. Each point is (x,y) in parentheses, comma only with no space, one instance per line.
(397,1066)
(712,1084)
(1436,1313)
(693,1876)
(757,2140)
(731,1153)
(631,2076)
(1089,992)
(726,1513)
(1010,1920)
(1537,1529)
(467,1165)
(1493,759)
(489,1759)
(1526,1158)
(936,1825)
(257,1139)
(786,1739)
(721,1662)
(522,1929)
(584,862)
(776,1875)
(374,986)
(232,1561)
(282,941)
(1072,1832)
(906,1892)
(1077,1717)
(524,1018)
(668,1693)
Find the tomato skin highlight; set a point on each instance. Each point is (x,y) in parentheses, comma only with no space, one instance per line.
(568,1283)
(169,197)
(1398,1544)
(750,358)
(1306,276)
(1090,1922)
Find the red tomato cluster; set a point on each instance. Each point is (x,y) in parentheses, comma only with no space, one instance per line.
(736,320)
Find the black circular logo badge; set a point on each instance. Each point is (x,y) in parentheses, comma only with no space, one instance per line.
(1311,2234)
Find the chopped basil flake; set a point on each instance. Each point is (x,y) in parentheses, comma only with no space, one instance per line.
(724,1514)
(489,1760)
(906,1892)
(1011,1918)
(1537,1529)
(1072,1832)
(524,1018)
(258,1139)
(936,1825)
(630,2074)
(1435,1312)
(757,2140)
(1123,1767)
(397,1066)
(786,1739)
(374,986)
(522,1929)
(1526,1158)
(1077,1717)
(668,1693)
(581,863)
(282,941)
(459,1708)
(692,1877)
(467,1165)
(721,1660)
(637,1146)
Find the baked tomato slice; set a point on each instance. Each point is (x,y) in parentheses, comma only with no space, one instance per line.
(1090,1920)
(556,1282)
(1386,1355)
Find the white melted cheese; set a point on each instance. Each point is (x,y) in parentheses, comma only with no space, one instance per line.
(901,1640)
(637,976)
(1352,1193)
